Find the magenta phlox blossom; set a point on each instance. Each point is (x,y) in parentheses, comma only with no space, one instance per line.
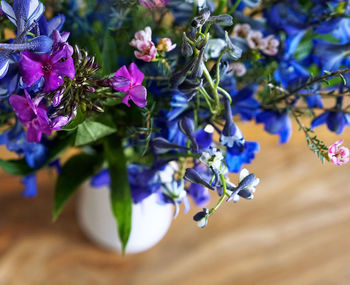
(32,114)
(130,80)
(338,154)
(52,67)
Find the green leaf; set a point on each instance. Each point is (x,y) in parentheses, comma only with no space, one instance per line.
(78,119)
(16,167)
(120,189)
(90,131)
(75,171)
(109,55)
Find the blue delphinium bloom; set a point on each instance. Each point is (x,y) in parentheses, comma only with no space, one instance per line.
(286,16)
(235,157)
(335,120)
(199,194)
(30,185)
(15,140)
(143,181)
(231,135)
(244,103)
(276,123)
(330,56)
(204,138)
(291,73)
(9,83)
(23,12)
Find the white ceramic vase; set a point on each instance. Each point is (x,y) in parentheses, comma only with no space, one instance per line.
(150,220)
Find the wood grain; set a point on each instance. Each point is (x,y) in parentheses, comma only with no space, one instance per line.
(295,231)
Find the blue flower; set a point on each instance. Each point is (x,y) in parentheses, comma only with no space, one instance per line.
(335,120)
(291,74)
(30,186)
(276,123)
(143,181)
(244,103)
(286,16)
(330,56)
(235,157)
(231,135)
(23,12)
(9,83)
(204,138)
(199,194)
(15,140)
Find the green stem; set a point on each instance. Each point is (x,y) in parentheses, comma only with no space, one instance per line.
(212,86)
(223,91)
(234,7)
(223,181)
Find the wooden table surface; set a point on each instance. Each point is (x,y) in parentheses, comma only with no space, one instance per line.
(295,231)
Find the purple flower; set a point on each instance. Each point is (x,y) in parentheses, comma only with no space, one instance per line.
(32,114)
(51,67)
(129,81)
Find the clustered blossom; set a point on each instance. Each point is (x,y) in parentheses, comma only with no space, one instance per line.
(146,49)
(154,3)
(255,39)
(338,154)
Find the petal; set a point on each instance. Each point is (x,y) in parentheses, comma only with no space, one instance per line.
(126,99)
(137,75)
(319,120)
(52,82)
(4,65)
(7,9)
(21,108)
(123,72)
(138,95)
(31,70)
(33,132)
(244,173)
(65,68)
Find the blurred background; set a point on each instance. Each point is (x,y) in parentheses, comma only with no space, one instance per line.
(295,231)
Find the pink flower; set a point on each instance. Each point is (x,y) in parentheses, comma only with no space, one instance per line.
(271,47)
(255,40)
(241,30)
(153,3)
(166,45)
(146,49)
(238,69)
(129,81)
(338,155)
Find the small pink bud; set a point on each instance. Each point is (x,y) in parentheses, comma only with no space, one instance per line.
(338,154)
(271,46)
(255,40)
(238,69)
(166,45)
(241,30)
(153,3)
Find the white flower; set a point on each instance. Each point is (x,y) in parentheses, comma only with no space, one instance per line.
(251,187)
(166,175)
(213,158)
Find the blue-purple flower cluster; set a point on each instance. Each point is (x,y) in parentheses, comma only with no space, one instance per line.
(172,114)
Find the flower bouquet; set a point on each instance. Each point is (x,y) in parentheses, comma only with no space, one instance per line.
(149,91)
